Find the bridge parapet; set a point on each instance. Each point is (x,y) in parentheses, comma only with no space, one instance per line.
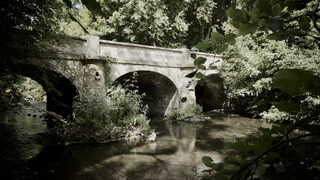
(128,53)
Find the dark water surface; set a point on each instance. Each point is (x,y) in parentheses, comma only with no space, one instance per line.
(176,154)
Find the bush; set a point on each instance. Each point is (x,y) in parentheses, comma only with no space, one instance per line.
(99,118)
(191,111)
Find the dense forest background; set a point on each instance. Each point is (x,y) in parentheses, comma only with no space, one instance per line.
(271,68)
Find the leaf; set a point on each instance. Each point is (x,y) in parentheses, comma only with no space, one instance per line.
(288,107)
(245,29)
(192,74)
(200,75)
(304,23)
(264,8)
(201,82)
(184,99)
(296,82)
(92,6)
(216,37)
(202,67)
(234,160)
(254,15)
(262,22)
(220,177)
(276,10)
(203,46)
(275,23)
(208,162)
(194,56)
(206,178)
(199,61)
(230,38)
(213,66)
(240,145)
(238,15)
(278,36)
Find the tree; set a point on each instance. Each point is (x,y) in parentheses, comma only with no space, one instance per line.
(287,151)
(157,22)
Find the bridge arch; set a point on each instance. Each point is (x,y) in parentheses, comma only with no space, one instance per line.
(60,90)
(211,94)
(161,93)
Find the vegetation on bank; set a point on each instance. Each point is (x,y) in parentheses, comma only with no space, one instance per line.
(190,111)
(272,71)
(101,118)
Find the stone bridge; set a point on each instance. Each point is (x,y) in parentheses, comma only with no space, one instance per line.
(90,64)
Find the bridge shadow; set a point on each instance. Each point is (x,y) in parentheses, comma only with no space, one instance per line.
(176,154)
(60,91)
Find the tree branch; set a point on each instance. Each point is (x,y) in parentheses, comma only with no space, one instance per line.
(75,20)
(314,17)
(270,149)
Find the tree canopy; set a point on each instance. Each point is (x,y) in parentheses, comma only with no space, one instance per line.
(156,22)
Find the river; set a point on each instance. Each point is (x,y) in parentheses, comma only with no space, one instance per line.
(176,154)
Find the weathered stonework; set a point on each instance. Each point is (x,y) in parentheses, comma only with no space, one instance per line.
(83,64)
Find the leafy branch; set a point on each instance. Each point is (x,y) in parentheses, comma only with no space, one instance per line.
(269,150)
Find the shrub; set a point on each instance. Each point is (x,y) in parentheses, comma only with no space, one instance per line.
(99,117)
(192,110)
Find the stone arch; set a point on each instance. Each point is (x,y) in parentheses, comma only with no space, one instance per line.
(60,90)
(161,94)
(211,95)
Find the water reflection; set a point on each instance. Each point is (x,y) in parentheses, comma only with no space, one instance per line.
(176,154)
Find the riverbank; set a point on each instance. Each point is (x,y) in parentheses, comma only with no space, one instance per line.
(176,154)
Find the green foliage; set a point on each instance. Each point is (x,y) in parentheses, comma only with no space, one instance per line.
(251,66)
(100,118)
(218,42)
(275,115)
(297,82)
(190,111)
(261,73)
(155,22)
(32,91)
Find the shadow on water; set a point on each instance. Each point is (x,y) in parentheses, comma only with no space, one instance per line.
(176,154)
